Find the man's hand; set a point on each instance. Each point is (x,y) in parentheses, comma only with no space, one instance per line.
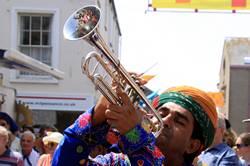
(138,79)
(99,111)
(124,117)
(127,110)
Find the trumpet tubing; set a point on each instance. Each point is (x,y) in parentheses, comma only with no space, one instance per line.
(91,66)
(82,24)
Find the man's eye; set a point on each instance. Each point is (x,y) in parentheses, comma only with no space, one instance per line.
(164,112)
(179,121)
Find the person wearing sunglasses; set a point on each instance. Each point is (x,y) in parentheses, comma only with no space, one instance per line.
(243,147)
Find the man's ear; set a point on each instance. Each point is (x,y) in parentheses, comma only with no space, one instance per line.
(193,146)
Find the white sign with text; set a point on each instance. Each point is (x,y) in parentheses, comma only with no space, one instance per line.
(59,102)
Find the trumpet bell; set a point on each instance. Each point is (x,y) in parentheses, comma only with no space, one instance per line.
(82,23)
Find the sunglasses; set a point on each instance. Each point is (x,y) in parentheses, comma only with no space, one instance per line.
(241,145)
(51,144)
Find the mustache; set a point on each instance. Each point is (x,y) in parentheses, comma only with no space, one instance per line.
(167,131)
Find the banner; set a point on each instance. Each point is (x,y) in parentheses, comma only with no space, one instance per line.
(203,4)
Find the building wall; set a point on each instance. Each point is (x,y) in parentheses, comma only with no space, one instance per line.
(239,49)
(67,55)
(7,98)
(239,100)
(234,81)
(224,83)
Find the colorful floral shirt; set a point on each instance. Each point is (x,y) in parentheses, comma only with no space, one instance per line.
(137,146)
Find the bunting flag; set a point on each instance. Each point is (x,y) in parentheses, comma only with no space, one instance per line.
(203,4)
(217,97)
(147,77)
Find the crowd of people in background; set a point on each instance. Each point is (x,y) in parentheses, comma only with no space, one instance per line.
(228,147)
(35,145)
(26,145)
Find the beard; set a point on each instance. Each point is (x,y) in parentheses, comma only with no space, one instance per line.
(170,147)
(164,140)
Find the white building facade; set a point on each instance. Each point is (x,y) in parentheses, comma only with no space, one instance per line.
(235,82)
(35,28)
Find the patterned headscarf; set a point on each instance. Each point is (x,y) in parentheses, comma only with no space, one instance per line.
(198,103)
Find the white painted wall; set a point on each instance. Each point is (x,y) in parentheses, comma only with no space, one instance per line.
(67,54)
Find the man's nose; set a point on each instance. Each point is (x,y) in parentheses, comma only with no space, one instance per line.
(169,120)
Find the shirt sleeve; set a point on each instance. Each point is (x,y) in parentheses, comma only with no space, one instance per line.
(78,141)
(137,146)
(220,155)
(140,147)
(230,159)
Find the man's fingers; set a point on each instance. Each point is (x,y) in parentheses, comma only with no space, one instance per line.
(124,96)
(111,122)
(103,102)
(113,114)
(115,108)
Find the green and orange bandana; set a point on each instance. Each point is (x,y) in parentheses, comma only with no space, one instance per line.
(198,103)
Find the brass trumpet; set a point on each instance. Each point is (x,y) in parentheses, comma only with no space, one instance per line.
(82,24)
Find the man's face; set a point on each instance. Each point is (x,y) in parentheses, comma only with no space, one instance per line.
(27,143)
(175,138)
(4,124)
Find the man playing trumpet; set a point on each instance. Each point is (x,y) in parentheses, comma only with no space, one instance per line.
(189,117)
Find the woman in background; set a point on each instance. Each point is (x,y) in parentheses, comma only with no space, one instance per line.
(50,142)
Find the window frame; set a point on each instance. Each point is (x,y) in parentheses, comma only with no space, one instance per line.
(15,38)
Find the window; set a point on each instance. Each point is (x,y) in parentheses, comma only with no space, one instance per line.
(35,32)
(35,38)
